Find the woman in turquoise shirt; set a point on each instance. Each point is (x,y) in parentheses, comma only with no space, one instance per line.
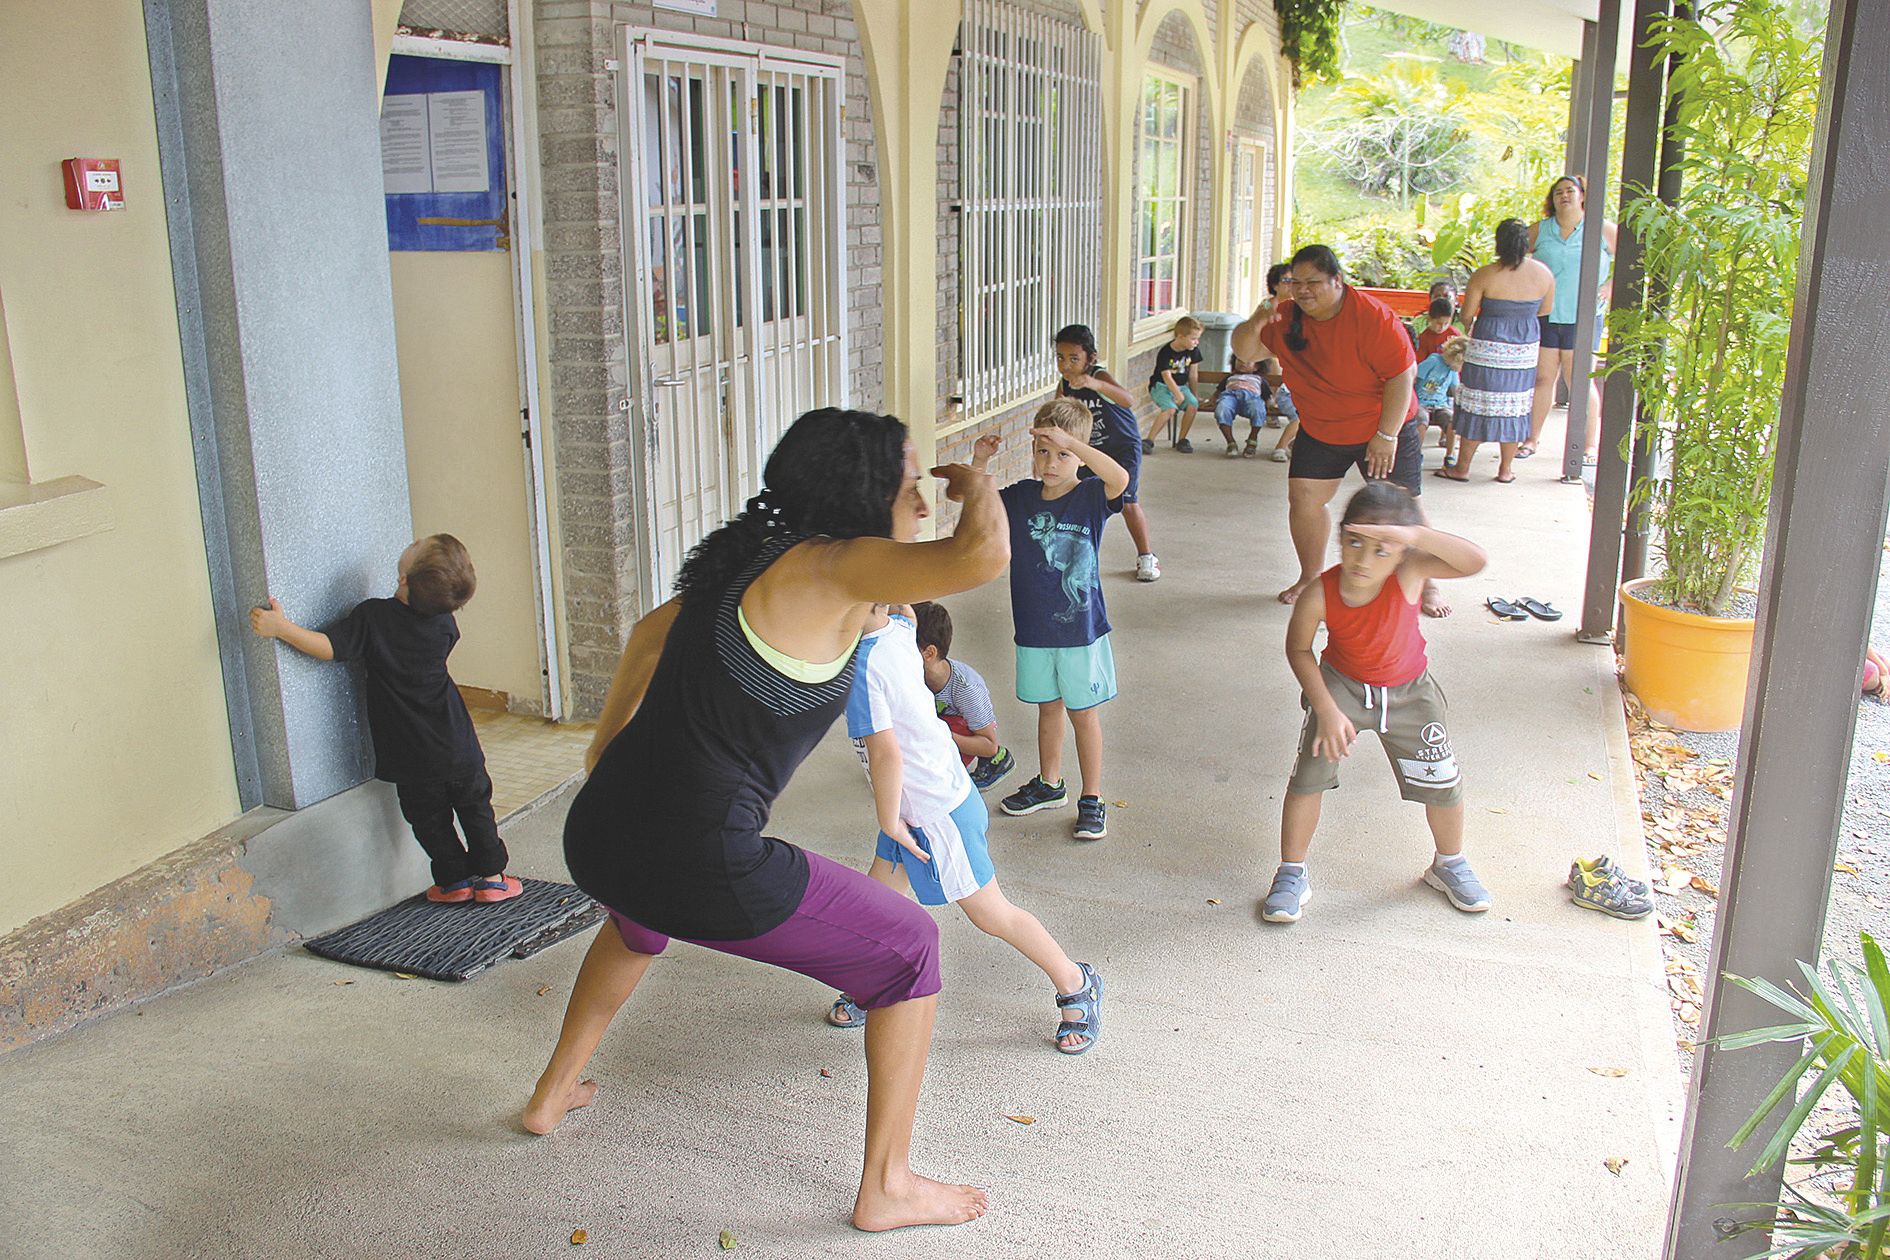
(1557,243)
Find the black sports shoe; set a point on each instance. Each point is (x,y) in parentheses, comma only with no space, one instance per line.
(1184,446)
(986,771)
(1033,796)
(1148,446)
(1090,818)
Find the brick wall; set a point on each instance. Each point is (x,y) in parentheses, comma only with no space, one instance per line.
(584,278)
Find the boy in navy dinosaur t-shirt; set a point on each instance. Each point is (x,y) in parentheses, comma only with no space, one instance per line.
(1064,663)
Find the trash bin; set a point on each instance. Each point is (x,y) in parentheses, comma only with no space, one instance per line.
(1217,337)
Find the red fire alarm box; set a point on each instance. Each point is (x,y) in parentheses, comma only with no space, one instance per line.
(93,184)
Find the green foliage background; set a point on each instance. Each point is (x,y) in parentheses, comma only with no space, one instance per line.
(1490,136)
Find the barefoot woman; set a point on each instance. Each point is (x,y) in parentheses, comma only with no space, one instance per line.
(720,695)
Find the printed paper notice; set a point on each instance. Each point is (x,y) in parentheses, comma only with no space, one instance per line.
(456,129)
(701,8)
(406,166)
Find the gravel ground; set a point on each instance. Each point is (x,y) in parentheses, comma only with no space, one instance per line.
(1684,804)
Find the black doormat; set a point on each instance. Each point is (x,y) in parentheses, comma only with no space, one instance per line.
(456,942)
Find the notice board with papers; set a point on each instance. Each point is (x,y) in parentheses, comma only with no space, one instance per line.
(443,155)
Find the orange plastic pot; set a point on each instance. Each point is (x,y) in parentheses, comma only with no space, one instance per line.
(1688,670)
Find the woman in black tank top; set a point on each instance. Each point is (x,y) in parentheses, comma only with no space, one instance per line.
(711,710)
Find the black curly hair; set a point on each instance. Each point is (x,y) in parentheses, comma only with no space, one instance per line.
(1077,335)
(1322,257)
(833,473)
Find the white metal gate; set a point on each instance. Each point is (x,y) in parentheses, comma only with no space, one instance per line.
(734,213)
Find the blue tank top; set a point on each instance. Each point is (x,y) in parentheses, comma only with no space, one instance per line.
(1564,258)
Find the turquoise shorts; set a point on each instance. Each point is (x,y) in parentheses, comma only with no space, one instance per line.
(1081,677)
(1165,401)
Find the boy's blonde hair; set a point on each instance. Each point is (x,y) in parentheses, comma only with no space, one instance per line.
(441,579)
(1066,414)
(1189,324)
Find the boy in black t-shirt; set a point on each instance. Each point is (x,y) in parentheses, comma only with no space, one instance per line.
(423,737)
(1174,385)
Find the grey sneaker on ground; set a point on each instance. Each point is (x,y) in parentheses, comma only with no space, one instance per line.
(1460,884)
(1090,818)
(1599,884)
(1606,868)
(1287,899)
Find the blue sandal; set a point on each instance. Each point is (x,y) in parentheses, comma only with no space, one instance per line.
(846,1013)
(1087,1002)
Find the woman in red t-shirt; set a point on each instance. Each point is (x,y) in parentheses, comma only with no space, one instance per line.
(1349,362)
(1375,675)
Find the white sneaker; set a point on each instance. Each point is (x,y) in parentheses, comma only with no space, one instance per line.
(1147,568)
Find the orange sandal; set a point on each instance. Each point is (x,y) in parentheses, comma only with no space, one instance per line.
(498,888)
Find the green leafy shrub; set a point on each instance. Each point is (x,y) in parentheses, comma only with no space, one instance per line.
(1844,1016)
(1309,37)
(1707,354)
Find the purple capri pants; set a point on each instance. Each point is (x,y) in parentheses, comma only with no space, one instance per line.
(850,932)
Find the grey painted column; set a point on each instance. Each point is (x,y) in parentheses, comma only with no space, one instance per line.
(1816,594)
(1607,38)
(1620,405)
(270,142)
(1578,86)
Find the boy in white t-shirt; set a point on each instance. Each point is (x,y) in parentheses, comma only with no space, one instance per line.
(932,823)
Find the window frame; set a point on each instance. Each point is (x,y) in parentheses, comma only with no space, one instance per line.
(1145,324)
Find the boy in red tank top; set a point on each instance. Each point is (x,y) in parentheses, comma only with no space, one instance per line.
(1375,675)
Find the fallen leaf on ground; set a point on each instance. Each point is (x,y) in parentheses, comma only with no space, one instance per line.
(1880,755)
(1844,868)
(726,1240)
(825,1072)
(1677,878)
(1681,930)
(1608,1071)
(544,990)
(579,1238)
(1594,776)
(1614,1164)
(1705,885)
(1120,804)
(344,982)
(405,975)
(1214,901)
(1021,1119)
(1496,809)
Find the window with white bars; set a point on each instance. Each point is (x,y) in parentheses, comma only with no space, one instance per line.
(1030,190)
(1164,175)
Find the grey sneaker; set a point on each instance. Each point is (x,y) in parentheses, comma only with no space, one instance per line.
(1599,884)
(1091,818)
(1603,867)
(1288,897)
(1460,884)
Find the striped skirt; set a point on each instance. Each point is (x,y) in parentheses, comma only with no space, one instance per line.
(1497,387)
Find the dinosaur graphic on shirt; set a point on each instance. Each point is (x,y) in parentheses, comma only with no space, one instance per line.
(1067,552)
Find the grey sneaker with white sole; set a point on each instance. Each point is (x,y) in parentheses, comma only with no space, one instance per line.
(1287,899)
(1460,885)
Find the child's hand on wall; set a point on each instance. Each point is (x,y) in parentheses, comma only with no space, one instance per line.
(268,622)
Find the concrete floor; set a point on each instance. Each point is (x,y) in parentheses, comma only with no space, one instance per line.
(1388,1078)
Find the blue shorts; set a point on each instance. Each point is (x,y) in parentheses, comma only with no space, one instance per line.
(1129,455)
(961,861)
(1081,677)
(1164,400)
(1562,336)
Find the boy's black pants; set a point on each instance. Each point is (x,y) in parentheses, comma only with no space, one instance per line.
(429,809)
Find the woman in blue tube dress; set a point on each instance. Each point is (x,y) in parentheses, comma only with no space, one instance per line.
(1503,302)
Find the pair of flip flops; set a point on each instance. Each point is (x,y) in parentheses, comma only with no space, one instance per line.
(1522,609)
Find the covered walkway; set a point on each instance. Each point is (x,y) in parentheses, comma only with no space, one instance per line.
(1386,1078)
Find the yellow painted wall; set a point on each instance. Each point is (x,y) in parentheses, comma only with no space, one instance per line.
(114,746)
(454,324)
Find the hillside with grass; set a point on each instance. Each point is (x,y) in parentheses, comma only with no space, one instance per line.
(1428,133)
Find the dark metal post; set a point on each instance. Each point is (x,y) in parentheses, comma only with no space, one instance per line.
(1639,153)
(1579,80)
(1816,594)
(1607,29)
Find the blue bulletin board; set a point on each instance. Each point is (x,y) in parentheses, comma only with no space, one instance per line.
(438,118)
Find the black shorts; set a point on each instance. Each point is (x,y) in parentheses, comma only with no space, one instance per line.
(1562,336)
(1321,461)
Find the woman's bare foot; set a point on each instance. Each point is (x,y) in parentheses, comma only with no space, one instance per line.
(1433,602)
(545,1112)
(916,1200)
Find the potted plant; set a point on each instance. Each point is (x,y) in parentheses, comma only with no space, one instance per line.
(1841,1020)
(1707,349)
